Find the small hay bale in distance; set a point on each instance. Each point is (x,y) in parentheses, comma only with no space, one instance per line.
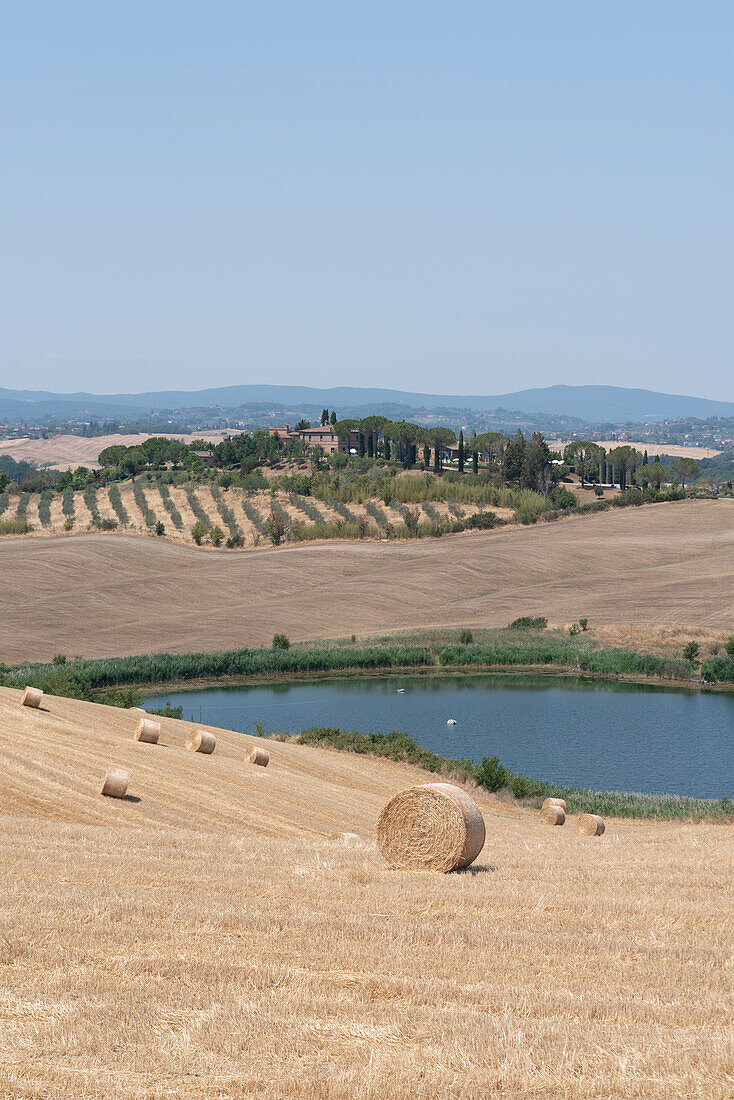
(590,825)
(552,814)
(147,730)
(433,827)
(257,755)
(201,741)
(115,783)
(32,697)
(556,802)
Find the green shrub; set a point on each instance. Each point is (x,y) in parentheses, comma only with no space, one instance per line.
(466,637)
(198,532)
(718,670)
(492,775)
(67,502)
(691,651)
(729,647)
(160,528)
(562,498)
(281,641)
(216,536)
(527,622)
(484,521)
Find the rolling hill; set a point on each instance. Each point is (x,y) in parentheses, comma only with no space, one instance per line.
(594,404)
(214,935)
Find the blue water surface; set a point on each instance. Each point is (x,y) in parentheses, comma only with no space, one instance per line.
(605,736)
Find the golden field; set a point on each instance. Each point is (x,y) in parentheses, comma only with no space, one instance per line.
(66,452)
(650,569)
(207,938)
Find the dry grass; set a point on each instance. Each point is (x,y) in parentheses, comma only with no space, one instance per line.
(66,452)
(657,567)
(210,940)
(651,448)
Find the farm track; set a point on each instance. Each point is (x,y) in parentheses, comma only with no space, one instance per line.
(211,936)
(664,565)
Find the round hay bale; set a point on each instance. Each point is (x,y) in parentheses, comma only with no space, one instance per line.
(147,730)
(32,697)
(434,827)
(552,815)
(258,755)
(115,783)
(556,802)
(590,825)
(201,741)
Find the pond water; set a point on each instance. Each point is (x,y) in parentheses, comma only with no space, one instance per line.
(605,736)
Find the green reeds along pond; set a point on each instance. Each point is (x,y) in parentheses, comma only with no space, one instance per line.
(599,735)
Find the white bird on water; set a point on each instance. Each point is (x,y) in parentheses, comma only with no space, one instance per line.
(401,691)
(451,722)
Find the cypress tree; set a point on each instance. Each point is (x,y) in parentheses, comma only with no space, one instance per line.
(461,452)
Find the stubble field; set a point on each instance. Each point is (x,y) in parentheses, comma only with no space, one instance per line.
(208,937)
(656,567)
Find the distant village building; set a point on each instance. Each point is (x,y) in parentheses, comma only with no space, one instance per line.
(322,436)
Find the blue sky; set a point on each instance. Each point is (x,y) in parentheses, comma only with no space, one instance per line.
(465,198)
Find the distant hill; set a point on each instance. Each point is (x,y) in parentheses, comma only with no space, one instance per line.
(593,404)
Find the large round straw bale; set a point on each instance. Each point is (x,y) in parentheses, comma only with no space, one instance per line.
(552,815)
(590,825)
(32,697)
(201,741)
(556,802)
(147,730)
(258,755)
(115,783)
(434,827)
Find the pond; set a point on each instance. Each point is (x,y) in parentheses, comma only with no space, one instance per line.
(600,735)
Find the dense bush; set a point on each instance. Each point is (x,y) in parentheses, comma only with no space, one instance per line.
(528,622)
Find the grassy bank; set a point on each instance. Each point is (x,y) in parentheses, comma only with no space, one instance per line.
(493,776)
(431,651)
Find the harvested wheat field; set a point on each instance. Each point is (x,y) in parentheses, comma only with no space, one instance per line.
(64,452)
(208,936)
(660,566)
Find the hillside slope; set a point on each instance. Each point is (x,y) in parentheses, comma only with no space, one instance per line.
(114,595)
(206,937)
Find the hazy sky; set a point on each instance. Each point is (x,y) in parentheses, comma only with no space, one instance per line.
(471,198)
